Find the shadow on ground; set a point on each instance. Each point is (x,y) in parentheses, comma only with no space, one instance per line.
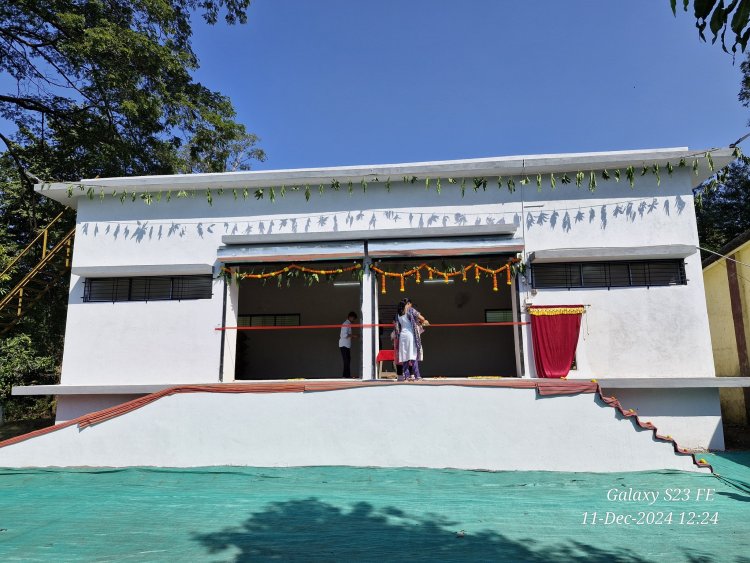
(314,530)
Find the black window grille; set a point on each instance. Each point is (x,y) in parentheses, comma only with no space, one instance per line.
(269,320)
(498,315)
(641,273)
(148,288)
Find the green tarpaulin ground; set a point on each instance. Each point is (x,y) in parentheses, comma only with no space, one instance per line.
(341,513)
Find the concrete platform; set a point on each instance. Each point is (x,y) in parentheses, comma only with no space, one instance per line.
(480,424)
(614,383)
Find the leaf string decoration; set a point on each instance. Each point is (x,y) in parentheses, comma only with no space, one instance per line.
(630,173)
(90,190)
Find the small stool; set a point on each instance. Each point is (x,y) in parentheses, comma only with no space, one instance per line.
(385,356)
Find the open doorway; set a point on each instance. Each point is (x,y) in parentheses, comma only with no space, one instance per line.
(472,348)
(296,298)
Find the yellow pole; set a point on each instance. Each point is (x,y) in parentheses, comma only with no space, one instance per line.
(20,302)
(44,242)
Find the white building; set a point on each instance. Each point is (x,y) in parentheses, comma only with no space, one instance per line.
(148,302)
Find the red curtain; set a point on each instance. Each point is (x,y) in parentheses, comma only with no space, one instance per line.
(554,335)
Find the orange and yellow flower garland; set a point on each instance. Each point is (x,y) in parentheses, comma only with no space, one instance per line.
(290,267)
(416,272)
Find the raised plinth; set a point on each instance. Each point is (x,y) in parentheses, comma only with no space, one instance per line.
(441,425)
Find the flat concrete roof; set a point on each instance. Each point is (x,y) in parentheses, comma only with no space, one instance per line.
(614,383)
(467,168)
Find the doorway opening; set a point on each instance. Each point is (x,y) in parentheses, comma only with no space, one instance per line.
(267,350)
(472,346)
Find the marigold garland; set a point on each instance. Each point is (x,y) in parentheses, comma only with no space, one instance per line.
(550,311)
(290,267)
(431,272)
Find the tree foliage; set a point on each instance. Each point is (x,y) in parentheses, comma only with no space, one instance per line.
(720,17)
(22,364)
(99,88)
(724,212)
(104,88)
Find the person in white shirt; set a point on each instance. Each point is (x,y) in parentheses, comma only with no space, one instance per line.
(345,343)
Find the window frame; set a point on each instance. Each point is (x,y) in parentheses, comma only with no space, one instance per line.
(274,316)
(573,274)
(507,313)
(122,286)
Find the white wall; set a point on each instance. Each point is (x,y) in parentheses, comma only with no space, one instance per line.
(633,332)
(446,426)
(627,332)
(72,406)
(691,416)
(142,342)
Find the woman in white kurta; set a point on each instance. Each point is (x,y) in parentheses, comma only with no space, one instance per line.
(408,325)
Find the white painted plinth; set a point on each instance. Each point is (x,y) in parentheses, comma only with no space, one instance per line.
(389,426)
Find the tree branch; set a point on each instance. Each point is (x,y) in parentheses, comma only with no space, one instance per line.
(24,177)
(30,104)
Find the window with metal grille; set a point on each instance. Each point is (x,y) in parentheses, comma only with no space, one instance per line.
(498,315)
(641,273)
(269,320)
(148,288)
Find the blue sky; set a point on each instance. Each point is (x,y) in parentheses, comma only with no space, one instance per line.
(338,82)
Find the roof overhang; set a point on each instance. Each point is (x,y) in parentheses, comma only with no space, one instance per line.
(302,252)
(142,270)
(374,234)
(475,167)
(600,253)
(341,245)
